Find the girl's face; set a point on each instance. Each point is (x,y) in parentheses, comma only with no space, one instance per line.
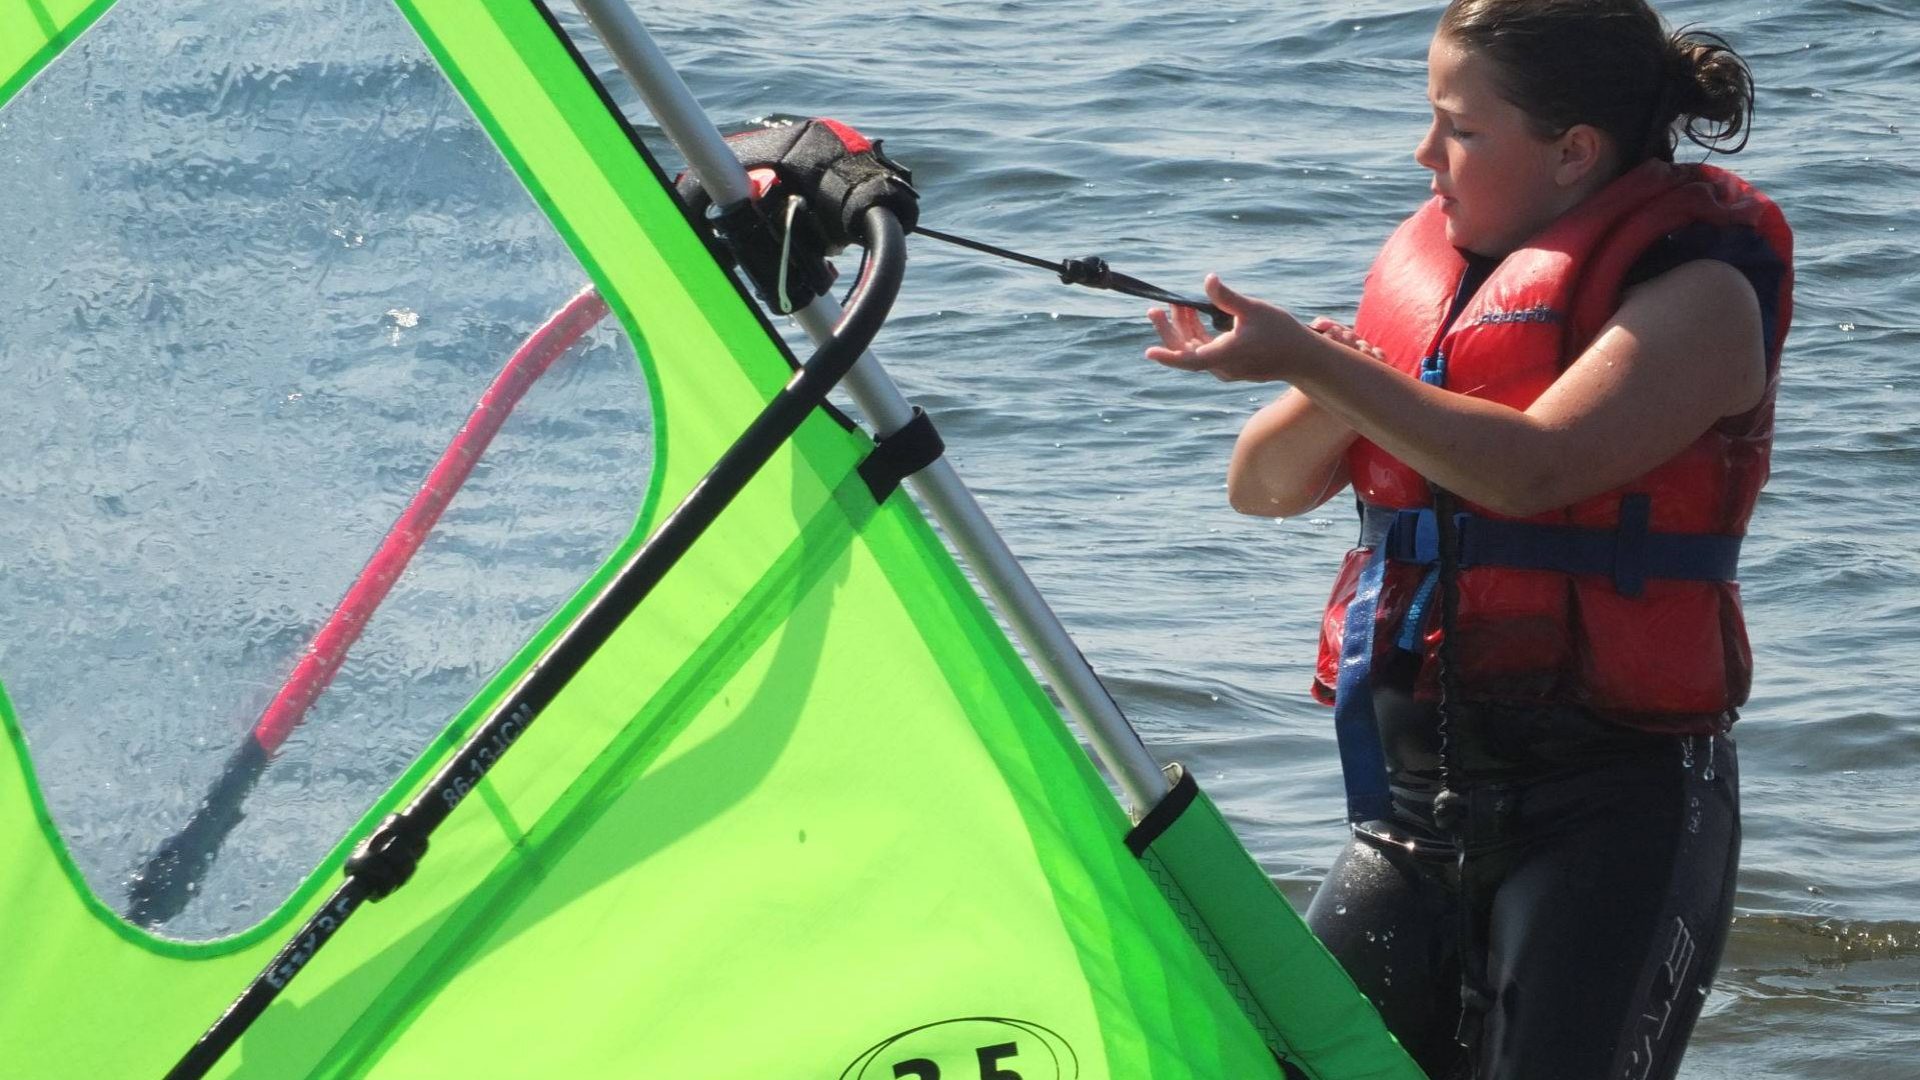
(1499,181)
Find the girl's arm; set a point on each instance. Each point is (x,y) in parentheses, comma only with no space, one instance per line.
(1291,455)
(1290,458)
(1683,351)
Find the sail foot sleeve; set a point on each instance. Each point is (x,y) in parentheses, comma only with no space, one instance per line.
(1293,991)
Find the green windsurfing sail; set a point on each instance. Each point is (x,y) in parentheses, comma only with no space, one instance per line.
(804,815)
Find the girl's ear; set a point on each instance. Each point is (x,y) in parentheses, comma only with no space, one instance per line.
(1581,152)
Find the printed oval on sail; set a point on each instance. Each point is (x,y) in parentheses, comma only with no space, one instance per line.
(970,1047)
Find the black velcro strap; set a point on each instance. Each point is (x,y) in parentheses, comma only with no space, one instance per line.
(899,455)
(1164,813)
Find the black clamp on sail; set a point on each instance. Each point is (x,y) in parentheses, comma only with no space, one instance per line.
(813,183)
(916,445)
(387,859)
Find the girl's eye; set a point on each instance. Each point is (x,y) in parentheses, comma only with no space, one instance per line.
(1461,133)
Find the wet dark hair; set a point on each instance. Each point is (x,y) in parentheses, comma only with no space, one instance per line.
(1611,64)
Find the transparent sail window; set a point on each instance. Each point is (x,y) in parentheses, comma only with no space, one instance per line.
(261,264)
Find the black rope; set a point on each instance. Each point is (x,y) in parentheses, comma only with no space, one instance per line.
(1091,271)
(1449,807)
(857,275)
(1453,809)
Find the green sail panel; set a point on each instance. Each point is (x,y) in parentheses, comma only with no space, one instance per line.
(805,814)
(34,31)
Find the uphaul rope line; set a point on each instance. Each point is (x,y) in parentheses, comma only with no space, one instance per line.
(1093,272)
(826,162)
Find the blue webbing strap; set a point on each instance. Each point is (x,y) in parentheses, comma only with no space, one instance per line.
(1363,761)
(1630,555)
(1409,641)
(1433,370)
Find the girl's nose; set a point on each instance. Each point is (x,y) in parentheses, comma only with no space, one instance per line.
(1427,153)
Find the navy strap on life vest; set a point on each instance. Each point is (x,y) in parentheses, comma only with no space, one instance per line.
(1363,760)
(1629,554)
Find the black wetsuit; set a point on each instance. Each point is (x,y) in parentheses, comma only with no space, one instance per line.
(1599,874)
(1600,867)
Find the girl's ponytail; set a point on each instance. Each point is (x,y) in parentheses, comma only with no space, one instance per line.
(1713,93)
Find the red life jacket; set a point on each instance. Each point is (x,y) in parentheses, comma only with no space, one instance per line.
(1666,654)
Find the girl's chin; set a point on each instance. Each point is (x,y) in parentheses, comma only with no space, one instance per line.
(1469,240)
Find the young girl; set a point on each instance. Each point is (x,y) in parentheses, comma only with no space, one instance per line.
(1555,409)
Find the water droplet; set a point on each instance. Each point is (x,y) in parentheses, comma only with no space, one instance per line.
(1341,910)
(399,319)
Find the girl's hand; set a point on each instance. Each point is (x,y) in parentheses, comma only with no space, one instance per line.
(1260,348)
(1334,331)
